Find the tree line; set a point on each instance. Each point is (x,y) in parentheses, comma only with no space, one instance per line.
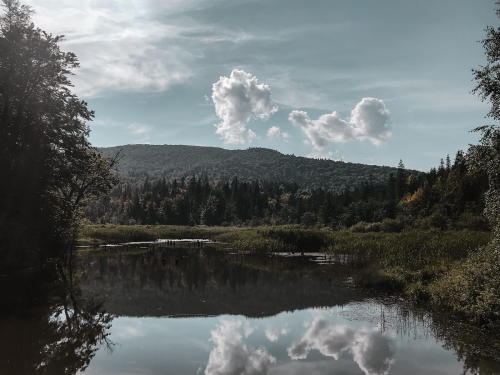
(447,196)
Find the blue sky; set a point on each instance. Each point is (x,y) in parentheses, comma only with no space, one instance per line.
(363,81)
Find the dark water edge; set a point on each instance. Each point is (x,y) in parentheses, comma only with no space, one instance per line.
(49,327)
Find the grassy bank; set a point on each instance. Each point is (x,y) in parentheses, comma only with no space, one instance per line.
(411,249)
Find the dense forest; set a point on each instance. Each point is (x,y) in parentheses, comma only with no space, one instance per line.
(447,196)
(136,162)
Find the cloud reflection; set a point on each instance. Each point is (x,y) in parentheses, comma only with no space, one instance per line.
(371,350)
(274,334)
(230,354)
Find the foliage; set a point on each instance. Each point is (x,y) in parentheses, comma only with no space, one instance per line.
(448,197)
(471,288)
(48,166)
(177,161)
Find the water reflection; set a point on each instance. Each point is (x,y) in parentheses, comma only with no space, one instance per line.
(60,334)
(231,355)
(208,302)
(188,282)
(181,311)
(372,350)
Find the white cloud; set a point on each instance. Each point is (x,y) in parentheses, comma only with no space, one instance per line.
(230,354)
(139,130)
(274,334)
(329,340)
(275,132)
(131,45)
(121,47)
(238,99)
(371,350)
(369,120)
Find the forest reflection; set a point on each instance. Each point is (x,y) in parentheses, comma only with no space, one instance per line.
(180,282)
(193,282)
(56,331)
(58,327)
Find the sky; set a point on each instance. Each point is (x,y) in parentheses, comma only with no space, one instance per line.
(356,80)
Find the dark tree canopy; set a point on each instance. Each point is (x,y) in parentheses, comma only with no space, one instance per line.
(47,163)
(486,155)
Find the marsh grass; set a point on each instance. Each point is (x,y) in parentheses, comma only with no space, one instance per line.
(427,266)
(109,233)
(412,250)
(411,259)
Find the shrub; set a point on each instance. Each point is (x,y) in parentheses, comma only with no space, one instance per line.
(391,225)
(471,288)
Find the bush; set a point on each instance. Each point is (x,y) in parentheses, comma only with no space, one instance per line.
(473,222)
(363,227)
(471,288)
(438,220)
(392,225)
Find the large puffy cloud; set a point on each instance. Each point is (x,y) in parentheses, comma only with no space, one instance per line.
(371,350)
(238,99)
(370,119)
(230,354)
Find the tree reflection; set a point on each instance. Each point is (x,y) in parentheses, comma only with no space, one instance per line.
(59,334)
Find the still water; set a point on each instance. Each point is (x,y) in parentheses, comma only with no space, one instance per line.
(202,311)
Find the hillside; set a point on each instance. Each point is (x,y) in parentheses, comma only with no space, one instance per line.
(176,161)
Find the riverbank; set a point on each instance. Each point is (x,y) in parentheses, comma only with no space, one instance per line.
(420,264)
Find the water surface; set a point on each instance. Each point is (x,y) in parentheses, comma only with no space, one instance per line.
(202,311)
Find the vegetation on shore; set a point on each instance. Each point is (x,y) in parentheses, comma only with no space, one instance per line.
(419,263)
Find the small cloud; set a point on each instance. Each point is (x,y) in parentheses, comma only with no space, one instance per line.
(274,334)
(370,119)
(275,132)
(139,129)
(238,99)
(250,135)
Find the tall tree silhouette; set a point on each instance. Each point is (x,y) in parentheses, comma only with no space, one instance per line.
(48,166)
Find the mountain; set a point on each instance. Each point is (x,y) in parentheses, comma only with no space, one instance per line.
(176,161)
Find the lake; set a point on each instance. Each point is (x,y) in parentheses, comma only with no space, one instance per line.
(204,311)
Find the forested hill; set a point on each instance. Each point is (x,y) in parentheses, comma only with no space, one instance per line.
(177,161)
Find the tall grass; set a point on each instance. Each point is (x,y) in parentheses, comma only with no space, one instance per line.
(411,250)
(109,233)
